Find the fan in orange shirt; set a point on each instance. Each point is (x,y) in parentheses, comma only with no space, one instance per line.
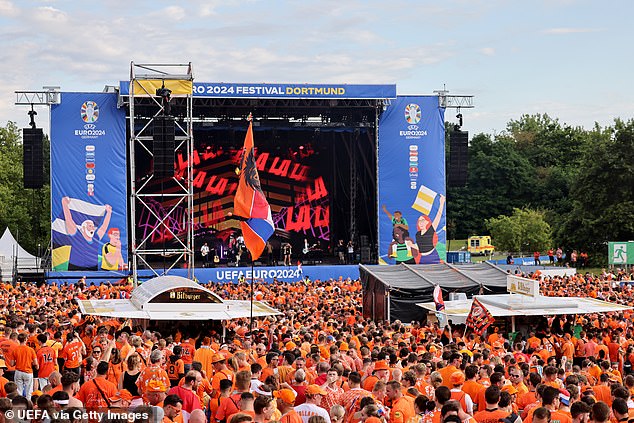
(73,352)
(25,361)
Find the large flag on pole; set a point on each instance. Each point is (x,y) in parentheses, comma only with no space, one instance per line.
(479,317)
(250,203)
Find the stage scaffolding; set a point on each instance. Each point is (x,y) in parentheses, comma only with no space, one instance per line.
(145,79)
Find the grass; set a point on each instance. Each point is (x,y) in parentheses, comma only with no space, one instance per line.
(461,245)
(457,244)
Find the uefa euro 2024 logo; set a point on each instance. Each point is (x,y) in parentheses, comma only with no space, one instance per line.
(412,113)
(89,112)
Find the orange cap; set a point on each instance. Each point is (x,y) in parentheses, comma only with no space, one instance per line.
(155,385)
(285,395)
(314,390)
(122,395)
(216,358)
(381,365)
(457,378)
(344,347)
(510,389)
(290,345)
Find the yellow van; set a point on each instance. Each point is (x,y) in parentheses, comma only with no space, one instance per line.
(480,245)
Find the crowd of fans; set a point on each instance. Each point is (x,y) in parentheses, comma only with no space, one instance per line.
(318,362)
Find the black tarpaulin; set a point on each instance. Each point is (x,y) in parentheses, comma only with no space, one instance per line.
(397,289)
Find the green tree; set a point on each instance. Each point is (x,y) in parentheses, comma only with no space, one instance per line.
(603,193)
(525,230)
(25,212)
(500,178)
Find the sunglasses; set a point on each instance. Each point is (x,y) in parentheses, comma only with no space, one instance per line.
(96,352)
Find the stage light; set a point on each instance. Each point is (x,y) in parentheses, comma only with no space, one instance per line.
(301,147)
(459,117)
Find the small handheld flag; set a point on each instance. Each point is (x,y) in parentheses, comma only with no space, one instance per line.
(440,306)
(479,317)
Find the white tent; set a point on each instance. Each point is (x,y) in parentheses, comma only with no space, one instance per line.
(175,298)
(505,305)
(524,299)
(12,253)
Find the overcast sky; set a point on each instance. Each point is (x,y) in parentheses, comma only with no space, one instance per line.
(570,59)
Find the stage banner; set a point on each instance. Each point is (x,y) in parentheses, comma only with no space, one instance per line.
(411,167)
(88,183)
(268,274)
(249,90)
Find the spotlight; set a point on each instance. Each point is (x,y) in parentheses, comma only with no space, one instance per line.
(459,117)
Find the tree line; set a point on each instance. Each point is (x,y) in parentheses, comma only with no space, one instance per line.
(571,187)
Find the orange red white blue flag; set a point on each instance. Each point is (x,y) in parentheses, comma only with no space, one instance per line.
(250,203)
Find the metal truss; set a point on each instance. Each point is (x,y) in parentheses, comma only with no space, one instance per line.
(145,107)
(454,101)
(49,95)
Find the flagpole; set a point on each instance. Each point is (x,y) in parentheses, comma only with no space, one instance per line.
(252,278)
(250,119)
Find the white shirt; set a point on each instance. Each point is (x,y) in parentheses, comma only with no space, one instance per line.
(306,411)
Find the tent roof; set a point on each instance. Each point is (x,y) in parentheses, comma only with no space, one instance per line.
(8,246)
(206,306)
(448,276)
(148,290)
(522,305)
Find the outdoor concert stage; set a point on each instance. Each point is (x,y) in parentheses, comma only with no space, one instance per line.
(335,162)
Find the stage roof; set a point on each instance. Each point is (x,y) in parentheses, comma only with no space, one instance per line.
(175,298)
(505,305)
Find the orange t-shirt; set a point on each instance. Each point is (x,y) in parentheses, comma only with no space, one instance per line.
(221,375)
(24,357)
(188,352)
(487,416)
(7,347)
(151,373)
(291,417)
(92,397)
(204,355)
(472,388)
(46,361)
(175,369)
(72,354)
(3,381)
(228,406)
(402,410)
